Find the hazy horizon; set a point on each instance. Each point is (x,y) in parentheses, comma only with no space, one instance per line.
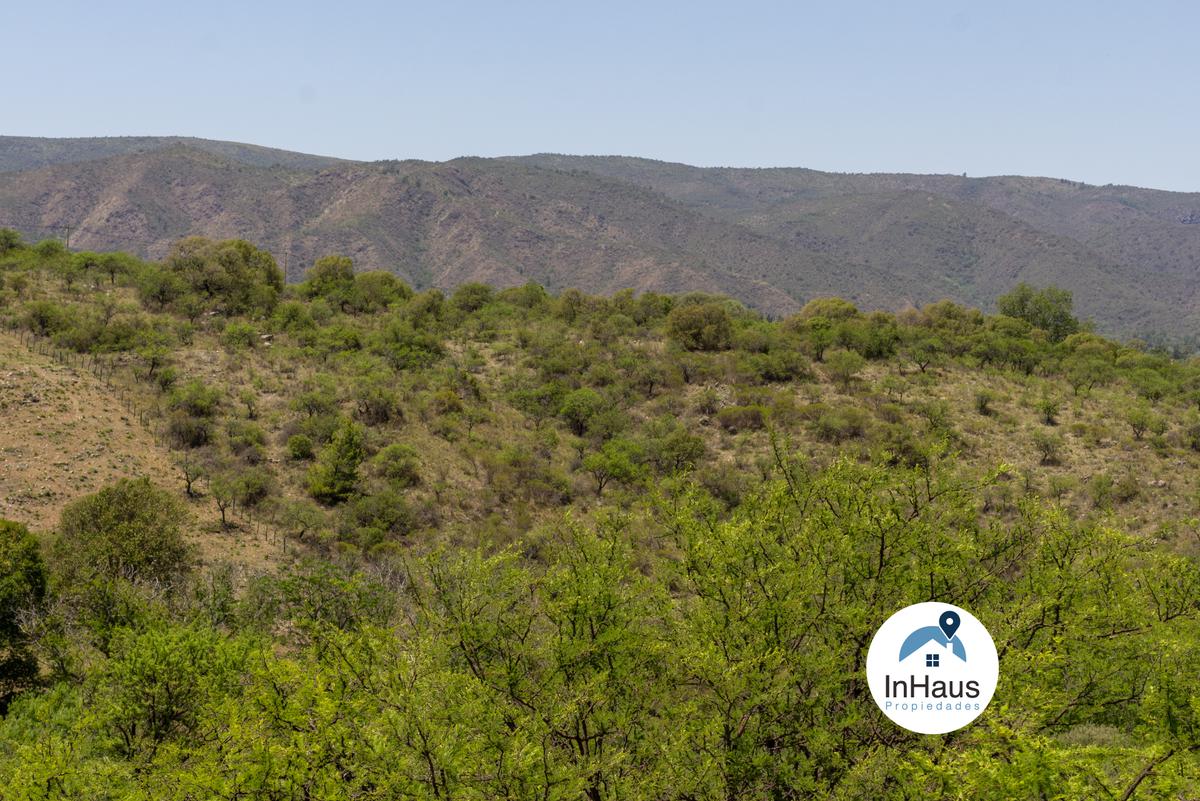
(1093,92)
(730,166)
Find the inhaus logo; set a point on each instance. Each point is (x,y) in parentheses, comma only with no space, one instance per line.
(932,668)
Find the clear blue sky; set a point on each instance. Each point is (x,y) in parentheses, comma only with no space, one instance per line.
(1095,91)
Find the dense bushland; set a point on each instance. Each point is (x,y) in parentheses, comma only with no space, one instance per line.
(561,546)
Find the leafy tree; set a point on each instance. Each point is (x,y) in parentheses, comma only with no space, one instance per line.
(232,276)
(1141,418)
(831,309)
(471,297)
(158,683)
(331,277)
(1048,408)
(397,464)
(192,469)
(10,240)
(701,326)
(618,459)
(375,401)
(45,317)
(131,529)
(161,288)
(1150,384)
(671,448)
(843,366)
(117,264)
(1048,446)
(405,347)
(1088,367)
(579,408)
(193,407)
(22,584)
(300,447)
(318,397)
(334,476)
(1048,309)
(375,290)
(925,351)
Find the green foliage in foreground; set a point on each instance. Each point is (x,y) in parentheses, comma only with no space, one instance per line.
(559,555)
(719,658)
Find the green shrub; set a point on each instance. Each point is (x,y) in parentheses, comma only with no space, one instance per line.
(579,408)
(187,431)
(843,366)
(247,441)
(742,418)
(131,529)
(334,476)
(398,465)
(1100,487)
(701,326)
(1141,419)
(238,336)
(1048,446)
(983,401)
(1126,488)
(841,423)
(780,365)
(22,585)
(45,317)
(1048,409)
(708,401)
(196,399)
(471,297)
(300,447)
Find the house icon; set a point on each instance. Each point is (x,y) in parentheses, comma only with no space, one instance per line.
(934,644)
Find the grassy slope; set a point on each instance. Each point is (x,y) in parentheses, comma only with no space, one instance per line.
(67,434)
(87,440)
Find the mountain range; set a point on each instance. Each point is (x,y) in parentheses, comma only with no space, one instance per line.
(772,237)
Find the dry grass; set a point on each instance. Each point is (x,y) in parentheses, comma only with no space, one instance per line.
(64,435)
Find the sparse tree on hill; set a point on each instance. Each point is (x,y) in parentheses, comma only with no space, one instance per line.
(1048,309)
(131,529)
(334,476)
(843,366)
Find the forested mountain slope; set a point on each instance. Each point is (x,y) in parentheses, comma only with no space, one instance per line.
(773,238)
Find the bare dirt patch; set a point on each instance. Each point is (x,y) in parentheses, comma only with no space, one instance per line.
(63,434)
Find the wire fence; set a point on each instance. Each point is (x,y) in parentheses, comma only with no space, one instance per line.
(119,375)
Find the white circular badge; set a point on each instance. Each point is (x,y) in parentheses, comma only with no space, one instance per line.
(932,668)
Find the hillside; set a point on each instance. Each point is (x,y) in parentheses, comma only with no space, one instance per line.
(773,238)
(67,433)
(1128,237)
(19,153)
(431,224)
(541,514)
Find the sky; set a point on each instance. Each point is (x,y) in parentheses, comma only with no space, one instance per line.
(1103,92)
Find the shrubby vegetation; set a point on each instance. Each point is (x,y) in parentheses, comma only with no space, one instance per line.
(572,547)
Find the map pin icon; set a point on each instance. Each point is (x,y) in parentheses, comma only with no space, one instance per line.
(949,621)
